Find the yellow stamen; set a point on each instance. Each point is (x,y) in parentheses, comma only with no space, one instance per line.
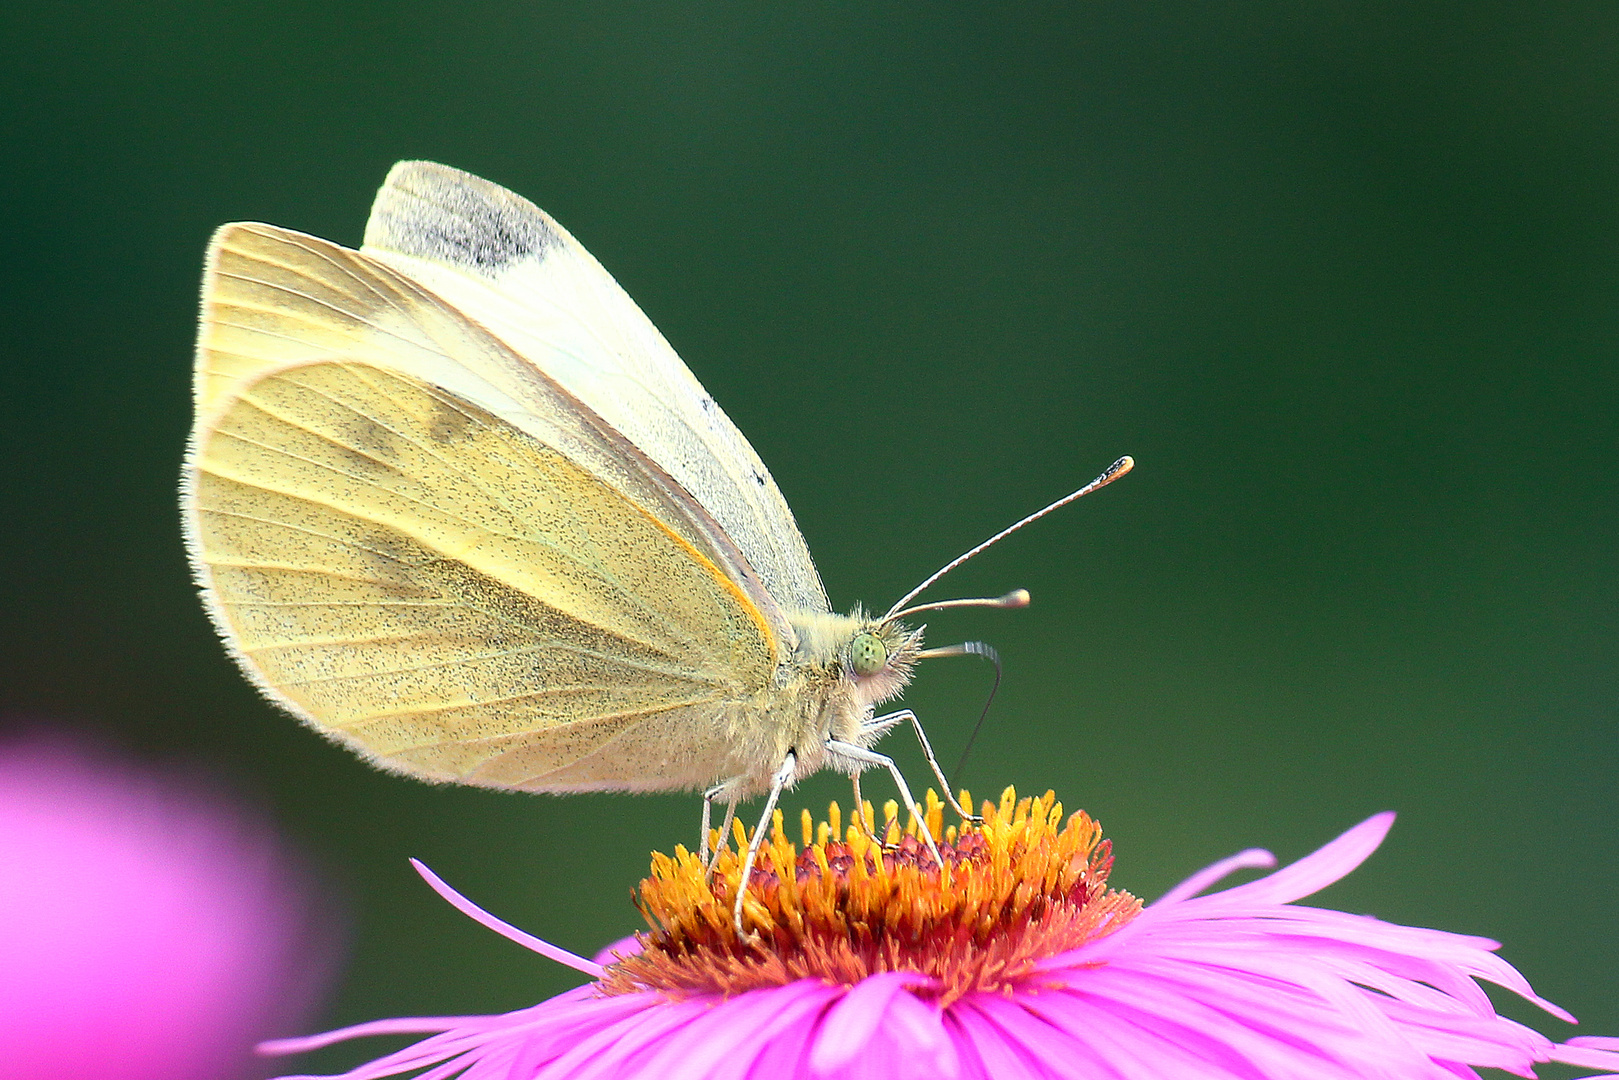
(1023,885)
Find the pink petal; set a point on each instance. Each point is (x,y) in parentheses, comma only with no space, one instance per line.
(1059,1053)
(1251,859)
(728,1038)
(506,929)
(1144,1043)
(913,1038)
(1001,1057)
(614,951)
(1315,871)
(612,1050)
(854,1020)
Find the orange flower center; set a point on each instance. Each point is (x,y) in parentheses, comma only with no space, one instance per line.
(1023,885)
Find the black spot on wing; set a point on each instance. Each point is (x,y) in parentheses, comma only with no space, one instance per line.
(464,222)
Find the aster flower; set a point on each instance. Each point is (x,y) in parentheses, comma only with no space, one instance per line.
(1012,959)
(150,929)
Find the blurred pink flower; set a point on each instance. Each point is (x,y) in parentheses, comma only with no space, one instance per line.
(1235,985)
(150,929)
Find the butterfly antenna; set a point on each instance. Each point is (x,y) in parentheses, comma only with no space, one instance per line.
(1018,597)
(970,648)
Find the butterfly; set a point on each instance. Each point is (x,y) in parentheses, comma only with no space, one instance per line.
(454,502)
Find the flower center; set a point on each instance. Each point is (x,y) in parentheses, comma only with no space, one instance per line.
(1023,885)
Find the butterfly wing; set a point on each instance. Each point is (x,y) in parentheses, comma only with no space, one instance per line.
(400,564)
(508,266)
(273,297)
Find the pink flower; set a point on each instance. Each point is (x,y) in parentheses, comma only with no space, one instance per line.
(149,930)
(940,980)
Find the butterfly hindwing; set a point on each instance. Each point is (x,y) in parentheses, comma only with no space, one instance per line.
(426,582)
(274,297)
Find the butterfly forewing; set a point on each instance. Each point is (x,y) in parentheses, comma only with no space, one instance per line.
(443,591)
(509,267)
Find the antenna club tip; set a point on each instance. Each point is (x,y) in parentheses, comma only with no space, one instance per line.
(1017,598)
(1122,466)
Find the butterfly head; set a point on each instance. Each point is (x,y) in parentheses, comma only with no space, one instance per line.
(869,658)
(879,657)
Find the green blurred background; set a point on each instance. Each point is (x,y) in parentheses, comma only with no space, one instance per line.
(1343,277)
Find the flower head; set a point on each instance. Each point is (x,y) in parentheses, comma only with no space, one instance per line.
(1012,959)
(149,928)
(1022,886)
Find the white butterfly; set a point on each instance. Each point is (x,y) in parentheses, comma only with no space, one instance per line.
(454,502)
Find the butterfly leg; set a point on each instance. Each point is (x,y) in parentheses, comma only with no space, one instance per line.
(860,811)
(859,755)
(880,724)
(728,789)
(871,729)
(777,782)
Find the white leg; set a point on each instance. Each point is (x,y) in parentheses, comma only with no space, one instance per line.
(881,724)
(777,782)
(724,787)
(860,811)
(725,832)
(849,752)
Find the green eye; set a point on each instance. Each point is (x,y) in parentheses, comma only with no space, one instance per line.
(867,654)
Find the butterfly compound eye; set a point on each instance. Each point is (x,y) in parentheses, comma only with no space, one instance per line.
(867,654)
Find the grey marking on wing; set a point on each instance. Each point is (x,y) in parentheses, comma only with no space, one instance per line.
(467,223)
(449,424)
(365,436)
